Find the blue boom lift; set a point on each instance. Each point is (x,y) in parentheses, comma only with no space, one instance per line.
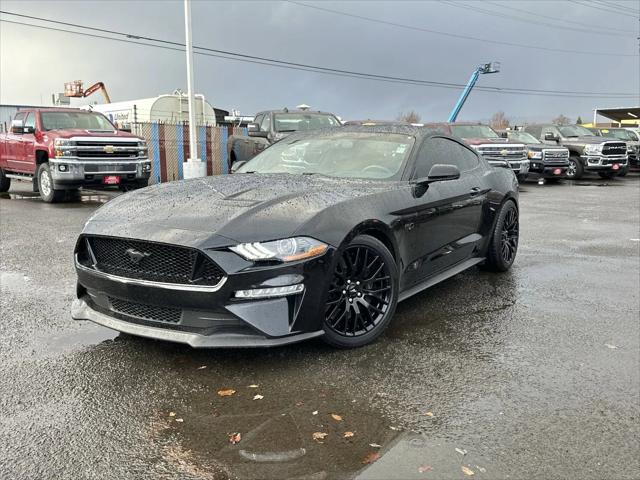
(493,67)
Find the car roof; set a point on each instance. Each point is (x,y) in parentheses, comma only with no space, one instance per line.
(308,112)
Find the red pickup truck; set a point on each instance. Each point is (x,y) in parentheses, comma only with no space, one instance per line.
(63,149)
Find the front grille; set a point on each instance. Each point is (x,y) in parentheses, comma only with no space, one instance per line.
(105,144)
(93,168)
(145,312)
(102,154)
(614,148)
(502,152)
(554,154)
(150,261)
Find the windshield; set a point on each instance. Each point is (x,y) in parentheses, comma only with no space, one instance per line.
(294,122)
(72,120)
(523,137)
(340,154)
(620,134)
(575,131)
(473,131)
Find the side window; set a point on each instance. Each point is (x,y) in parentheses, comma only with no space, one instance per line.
(30,121)
(258,119)
(20,116)
(467,159)
(433,151)
(266,123)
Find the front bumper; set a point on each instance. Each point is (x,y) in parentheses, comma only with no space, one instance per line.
(76,173)
(211,317)
(604,163)
(545,170)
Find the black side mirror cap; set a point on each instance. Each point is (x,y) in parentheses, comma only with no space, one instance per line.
(550,137)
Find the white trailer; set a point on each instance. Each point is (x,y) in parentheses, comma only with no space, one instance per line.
(171,108)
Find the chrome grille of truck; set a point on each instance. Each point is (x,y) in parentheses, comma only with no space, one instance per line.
(614,148)
(109,168)
(502,152)
(556,154)
(149,261)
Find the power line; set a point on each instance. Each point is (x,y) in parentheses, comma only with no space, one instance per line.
(465,6)
(591,26)
(597,6)
(135,39)
(454,35)
(616,6)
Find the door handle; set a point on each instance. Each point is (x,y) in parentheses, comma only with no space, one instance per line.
(474,191)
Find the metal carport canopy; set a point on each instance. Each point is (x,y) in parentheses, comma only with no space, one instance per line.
(619,114)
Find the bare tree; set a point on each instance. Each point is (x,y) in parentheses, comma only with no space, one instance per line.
(410,117)
(499,121)
(561,120)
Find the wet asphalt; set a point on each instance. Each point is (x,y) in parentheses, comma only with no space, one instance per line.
(530,374)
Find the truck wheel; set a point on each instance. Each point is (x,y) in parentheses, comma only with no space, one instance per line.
(575,170)
(5,182)
(45,185)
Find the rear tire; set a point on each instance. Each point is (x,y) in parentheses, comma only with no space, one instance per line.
(5,183)
(362,295)
(575,170)
(45,185)
(503,245)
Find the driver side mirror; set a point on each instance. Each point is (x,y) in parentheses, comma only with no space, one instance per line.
(253,129)
(440,172)
(550,137)
(17,126)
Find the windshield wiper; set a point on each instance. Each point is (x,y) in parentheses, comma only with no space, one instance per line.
(286,131)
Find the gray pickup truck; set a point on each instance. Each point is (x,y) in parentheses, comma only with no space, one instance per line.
(273,125)
(587,152)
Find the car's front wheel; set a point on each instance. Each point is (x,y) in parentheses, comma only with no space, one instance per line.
(575,170)
(362,295)
(45,185)
(503,245)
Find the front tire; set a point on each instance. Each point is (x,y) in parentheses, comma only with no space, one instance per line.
(504,240)
(5,183)
(363,294)
(45,185)
(575,170)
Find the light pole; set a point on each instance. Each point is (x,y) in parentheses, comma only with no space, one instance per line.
(194,167)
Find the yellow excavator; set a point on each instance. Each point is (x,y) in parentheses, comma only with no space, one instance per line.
(74,89)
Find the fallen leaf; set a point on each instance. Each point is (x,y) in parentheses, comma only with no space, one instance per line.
(608,345)
(461,451)
(315,412)
(202,367)
(467,471)
(253,386)
(318,436)
(336,417)
(424,468)
(429,414)
(348,434)
(179,420)
(375,445)
(299,404)
(394,428)
(226,393)
(370,458)
(258,397)
(235,438)
(172,414)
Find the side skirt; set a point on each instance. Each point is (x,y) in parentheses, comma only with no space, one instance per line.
(430,282)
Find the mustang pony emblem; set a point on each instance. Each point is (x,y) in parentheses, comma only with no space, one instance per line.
(135,256)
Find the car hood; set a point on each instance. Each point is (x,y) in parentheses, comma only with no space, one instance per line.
(226,209)
(586,140)
(79,132)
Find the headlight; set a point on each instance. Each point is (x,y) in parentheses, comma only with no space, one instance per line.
(142,144)
(285,250)
(535,155)
(592,149)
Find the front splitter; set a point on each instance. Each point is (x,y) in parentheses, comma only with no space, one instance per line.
(80,310)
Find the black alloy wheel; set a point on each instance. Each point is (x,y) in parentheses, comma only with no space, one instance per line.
(362,295)
(504,241)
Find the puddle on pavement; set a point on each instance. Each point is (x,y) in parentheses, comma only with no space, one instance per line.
(277,442)
(88,335)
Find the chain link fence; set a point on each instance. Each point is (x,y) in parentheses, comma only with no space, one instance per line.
(169,147)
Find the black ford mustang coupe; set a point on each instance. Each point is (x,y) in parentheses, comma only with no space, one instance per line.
(321,234)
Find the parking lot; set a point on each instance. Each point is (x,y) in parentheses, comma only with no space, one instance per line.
(529,374)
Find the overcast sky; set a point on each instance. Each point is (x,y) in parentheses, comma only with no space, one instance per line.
(34,63)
